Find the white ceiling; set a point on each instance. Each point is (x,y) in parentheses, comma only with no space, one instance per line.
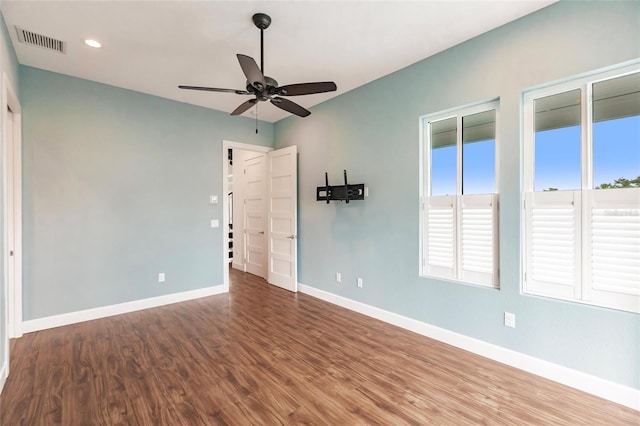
(153,46)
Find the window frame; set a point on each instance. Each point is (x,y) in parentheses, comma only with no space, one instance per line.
(425,187)
(582,197)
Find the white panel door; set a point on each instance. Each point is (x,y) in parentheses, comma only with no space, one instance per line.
(10,224)
(255,190)
(282,217)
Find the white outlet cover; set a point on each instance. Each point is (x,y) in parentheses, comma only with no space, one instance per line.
(338,277)
(213,199)
(215,223)
(161,277)
(510,319)
(366,191)
(359,282)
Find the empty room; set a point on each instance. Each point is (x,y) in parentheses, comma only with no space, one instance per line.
(320,212)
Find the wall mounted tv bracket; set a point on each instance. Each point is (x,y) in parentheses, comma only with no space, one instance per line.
(344,192)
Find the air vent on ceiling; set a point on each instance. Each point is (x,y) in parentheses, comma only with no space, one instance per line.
(39,40)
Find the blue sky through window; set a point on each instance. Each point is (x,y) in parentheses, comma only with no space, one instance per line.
(616,149)
(557,159)
(616,154)
(443,170)
(478,167)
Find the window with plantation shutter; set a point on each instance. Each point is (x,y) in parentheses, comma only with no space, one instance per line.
(460,206)
(581,199)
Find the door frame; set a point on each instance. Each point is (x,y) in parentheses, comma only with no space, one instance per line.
(226,145)
(13,290)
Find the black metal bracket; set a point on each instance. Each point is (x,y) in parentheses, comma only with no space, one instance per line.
(344,192)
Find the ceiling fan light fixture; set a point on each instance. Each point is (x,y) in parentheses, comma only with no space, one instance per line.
(93,43)
(265,88)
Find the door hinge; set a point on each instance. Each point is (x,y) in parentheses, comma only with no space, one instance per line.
(11,253)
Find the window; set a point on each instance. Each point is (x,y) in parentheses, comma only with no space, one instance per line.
(459,208)
(581,195)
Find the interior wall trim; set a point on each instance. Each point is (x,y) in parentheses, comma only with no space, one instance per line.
(593,385)
(117,309)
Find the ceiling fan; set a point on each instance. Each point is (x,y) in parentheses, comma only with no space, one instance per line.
(266,88)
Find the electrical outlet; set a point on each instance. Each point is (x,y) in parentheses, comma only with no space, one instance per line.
(366,191)
(510,319)
(359,282)
(338,277)
(161,277)
(215,223)
(213,199)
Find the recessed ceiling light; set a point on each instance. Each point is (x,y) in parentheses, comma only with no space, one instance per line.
(92,43)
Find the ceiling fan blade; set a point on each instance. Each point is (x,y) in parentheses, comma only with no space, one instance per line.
(244,106)
(307,88)
(289,106)
(251,71)
(215,89)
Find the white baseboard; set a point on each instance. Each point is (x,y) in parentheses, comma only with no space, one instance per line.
(121,308)
(594,385)
(4,373)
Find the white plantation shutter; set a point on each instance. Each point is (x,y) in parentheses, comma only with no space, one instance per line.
(439,236)
(552,233)
(478,239)
(612,248)
(460,238)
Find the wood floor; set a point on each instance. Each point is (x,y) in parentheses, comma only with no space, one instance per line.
(264,356)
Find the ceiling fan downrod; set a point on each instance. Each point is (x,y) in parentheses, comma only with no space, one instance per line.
(262,21)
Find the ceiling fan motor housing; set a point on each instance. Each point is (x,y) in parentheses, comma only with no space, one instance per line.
(265,93)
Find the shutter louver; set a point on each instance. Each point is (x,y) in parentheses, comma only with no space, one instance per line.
(477,240)
(613,247)
(440,236)
(553,242)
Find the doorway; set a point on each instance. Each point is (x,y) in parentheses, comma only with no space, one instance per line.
(260,230)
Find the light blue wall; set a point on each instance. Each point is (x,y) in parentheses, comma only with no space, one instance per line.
(372,132)
(116,189)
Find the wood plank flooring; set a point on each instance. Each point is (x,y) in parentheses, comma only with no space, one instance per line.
(260,355)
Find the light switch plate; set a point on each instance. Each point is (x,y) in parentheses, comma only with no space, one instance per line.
(215,223)
(213,199)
